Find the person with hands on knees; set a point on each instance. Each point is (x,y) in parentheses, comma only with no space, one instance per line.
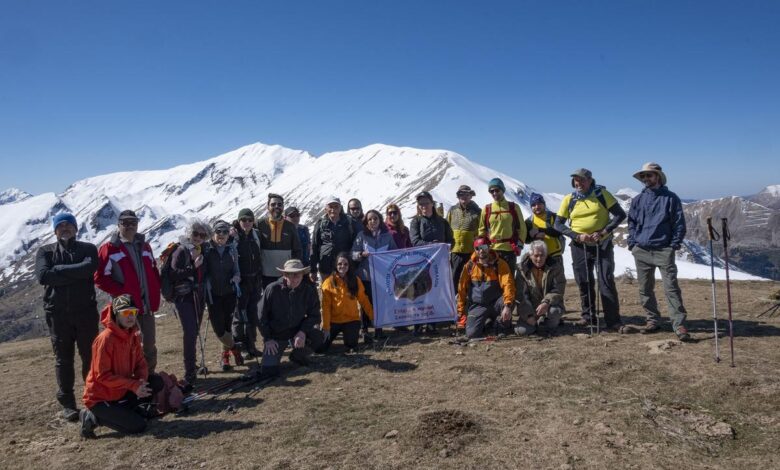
(289,314)
(118,380)
(342,291)
(540,283)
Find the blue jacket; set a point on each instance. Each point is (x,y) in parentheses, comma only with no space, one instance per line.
(656,220)
(303,234)
(366,242)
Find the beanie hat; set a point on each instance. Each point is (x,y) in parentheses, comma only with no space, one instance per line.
(221,225)
(537,198)
(497,183)
(292,210)
(246,212)
(64,217)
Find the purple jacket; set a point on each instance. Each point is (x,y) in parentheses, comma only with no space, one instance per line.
(401,238)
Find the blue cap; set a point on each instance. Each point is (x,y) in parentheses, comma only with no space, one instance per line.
(537,198)
(497,183)
(64,217)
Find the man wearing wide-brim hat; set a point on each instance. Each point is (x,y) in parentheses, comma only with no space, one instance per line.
(289,315)
(463,218)
(656,229)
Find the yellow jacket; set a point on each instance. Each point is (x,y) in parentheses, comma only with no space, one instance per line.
(339,306)
(464,224)
(501,225)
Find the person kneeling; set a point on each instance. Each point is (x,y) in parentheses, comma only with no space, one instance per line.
(486,292)
(341,293)
(289,313)
(118,380)
(540,282)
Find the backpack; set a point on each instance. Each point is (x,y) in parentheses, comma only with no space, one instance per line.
(170,398)
(596,192)
(549,219)
(166,285)
(513,240)
(324,225)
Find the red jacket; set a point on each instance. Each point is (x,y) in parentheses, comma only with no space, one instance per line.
(116,273)
(118,365)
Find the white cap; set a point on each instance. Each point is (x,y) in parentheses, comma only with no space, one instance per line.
(332,200)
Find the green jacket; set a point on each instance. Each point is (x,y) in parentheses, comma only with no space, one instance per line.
(464,223)
(551,289)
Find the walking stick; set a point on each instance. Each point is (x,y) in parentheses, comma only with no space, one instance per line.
(713,235)
(587,274)
(203,369)
(598,286)
(726,237)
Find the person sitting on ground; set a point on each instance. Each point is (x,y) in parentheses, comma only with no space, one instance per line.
(65,268)
(486,292)
(187,276)
(289,313)
(539,282)
(372,238)
(222,288)
(342,291)
(118,380)
(395,224)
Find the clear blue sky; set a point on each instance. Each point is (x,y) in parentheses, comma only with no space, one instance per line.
(534,89)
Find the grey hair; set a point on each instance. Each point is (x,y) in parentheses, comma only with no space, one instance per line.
(199,226)
(537,245)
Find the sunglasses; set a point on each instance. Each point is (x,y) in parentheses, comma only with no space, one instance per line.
(199,234)
(276,204)
(495,190)
(247,219)
(294,216)
(482,248)
(392,212)
(645,176)
(351,209)
(129,223)
(222,231)
(128,312)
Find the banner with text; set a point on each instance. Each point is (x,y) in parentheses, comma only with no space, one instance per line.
(412,286)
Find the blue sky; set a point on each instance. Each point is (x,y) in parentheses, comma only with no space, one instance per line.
(533,89)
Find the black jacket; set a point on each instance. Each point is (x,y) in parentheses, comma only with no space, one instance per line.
(329,240)
(284,311)
(426,230)
(220,269)
(249,256)
(67,276)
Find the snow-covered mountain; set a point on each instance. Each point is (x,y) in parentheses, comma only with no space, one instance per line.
(220,186)
(13,195)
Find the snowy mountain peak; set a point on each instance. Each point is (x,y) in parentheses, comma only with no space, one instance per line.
(11,195)
(773,190)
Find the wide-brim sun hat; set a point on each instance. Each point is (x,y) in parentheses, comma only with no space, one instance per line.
(652,167)
(293,266)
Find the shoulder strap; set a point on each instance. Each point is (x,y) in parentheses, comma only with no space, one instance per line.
(488,210)
(600,196)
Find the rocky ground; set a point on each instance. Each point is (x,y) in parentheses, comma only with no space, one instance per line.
(569,401)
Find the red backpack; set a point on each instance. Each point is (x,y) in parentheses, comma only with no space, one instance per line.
(513,240)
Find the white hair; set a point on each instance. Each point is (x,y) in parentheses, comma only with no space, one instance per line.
(537,245)
(197,225)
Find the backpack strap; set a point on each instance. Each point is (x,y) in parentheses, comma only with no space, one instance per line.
(515,223)
(596,192)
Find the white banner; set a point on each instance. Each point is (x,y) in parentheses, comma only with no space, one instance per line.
(412,286)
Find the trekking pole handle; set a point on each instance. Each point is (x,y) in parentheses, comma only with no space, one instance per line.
(713,235)
(724,229)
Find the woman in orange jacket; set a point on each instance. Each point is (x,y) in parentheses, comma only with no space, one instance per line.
(341,293)
(118,379)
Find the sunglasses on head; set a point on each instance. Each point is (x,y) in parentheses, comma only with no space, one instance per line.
(128,312)
(247,219)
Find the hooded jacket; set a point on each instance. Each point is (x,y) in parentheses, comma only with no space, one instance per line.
(464,223)
(118,365)
(550,289)
(484,285)
(365,241)
(656,220)
(328,240)
(284,311)
(221,268)
(68,277)
(339,306)
(249,252)
(116,273)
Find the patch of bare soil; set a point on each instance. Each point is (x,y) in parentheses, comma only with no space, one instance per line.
(445,431)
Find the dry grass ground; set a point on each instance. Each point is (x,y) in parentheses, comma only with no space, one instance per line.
(569,401)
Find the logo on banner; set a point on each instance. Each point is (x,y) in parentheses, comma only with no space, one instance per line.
(412,280)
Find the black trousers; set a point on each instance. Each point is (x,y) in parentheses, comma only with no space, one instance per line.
(69,330)
(365,321)
(245,319)
(221,313)
(457,262)
(583,263)
(121,415)
(350,330)
(511,258)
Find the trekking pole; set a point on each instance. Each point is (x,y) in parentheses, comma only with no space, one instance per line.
(587,274)
(203,369)
(724,231)
(598,286)
(713,235)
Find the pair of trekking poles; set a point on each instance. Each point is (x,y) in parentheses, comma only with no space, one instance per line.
(714,236)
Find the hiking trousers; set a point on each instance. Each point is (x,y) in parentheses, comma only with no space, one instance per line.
(583,263)
(314,341)
(457,262)
(221,311)
(122,415)
(350,330)
(482,318)
(511,259)
(647,260)
(148,331)
(189,309)
(245,318)
(526,311)
(68,331)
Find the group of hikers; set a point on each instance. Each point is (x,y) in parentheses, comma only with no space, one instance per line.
(262,275)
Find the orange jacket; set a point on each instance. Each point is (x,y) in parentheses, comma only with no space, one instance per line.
(339,306)
(496,272)
(118,365)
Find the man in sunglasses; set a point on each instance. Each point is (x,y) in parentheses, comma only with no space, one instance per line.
(119,379)
(279,240)
(293,215)
(66,268)
(486,292)
(502,222)
(463,218)
(656,229)
(126,265)
(250,267)
(355,214)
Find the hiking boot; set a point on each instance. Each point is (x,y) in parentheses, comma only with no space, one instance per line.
(225,361)
(525,330)
(367,338)
(378,334)
(70,414)
(584,322)
(186,388)
(682,333)
(88,424)
(298,357)
(237,356)
(650,327)
(617,328)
